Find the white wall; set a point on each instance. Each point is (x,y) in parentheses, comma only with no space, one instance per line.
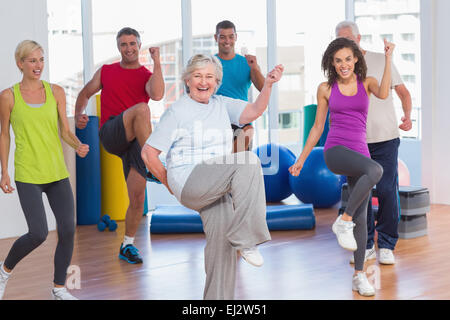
(19,20)
(435,98)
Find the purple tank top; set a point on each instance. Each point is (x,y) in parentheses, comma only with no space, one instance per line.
(348,117)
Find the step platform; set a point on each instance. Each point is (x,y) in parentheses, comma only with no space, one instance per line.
(414,206)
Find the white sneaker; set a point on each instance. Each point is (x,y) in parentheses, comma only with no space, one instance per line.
(361,284)
(62,294)
(252,256)
(386,256)
(4,276)
(344,233)
(370,255)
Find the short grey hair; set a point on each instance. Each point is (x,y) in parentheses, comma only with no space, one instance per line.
(129,32)
(199,61)
(348,24)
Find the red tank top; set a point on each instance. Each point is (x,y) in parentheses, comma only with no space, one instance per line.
(121,89)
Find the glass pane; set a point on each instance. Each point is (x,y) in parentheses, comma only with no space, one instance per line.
(305,28)
(65,44)
(249,17)
(399,21)
(158,23)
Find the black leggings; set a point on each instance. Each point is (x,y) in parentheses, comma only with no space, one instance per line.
(60,198)
(362,174)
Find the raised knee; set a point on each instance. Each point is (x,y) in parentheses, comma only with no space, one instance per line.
(143,109)
(376,173)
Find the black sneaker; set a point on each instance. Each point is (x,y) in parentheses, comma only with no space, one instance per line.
(130,254)
(152,178)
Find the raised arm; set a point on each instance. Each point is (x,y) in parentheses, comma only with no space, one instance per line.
(66,134)
(91,88)
(155,85)
(254,110)
(382,91)
(6,106)
(255,72)
(150,156)
(317,129)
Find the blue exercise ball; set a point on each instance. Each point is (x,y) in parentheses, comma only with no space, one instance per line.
(316,184)
(275,162)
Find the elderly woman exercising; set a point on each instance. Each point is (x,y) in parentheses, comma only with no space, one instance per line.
(226,188)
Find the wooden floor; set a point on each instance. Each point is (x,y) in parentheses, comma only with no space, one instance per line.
(298,265)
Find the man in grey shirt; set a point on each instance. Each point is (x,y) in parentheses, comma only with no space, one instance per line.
(383,139)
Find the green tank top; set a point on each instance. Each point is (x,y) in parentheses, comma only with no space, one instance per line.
(38,157)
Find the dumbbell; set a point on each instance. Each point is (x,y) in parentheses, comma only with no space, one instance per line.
(106,222)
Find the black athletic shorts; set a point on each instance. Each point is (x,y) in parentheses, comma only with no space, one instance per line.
(114,140)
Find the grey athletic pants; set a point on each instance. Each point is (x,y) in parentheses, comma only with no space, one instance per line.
(228,192)
(60,198)
(362,174)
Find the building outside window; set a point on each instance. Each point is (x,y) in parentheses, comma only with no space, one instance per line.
(399,22)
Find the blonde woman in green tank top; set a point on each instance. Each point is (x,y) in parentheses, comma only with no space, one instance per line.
(36,110)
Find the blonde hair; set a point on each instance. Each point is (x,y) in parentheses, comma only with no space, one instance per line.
(200,61)
(24,48)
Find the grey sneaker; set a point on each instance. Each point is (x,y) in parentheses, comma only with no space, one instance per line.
(370,255)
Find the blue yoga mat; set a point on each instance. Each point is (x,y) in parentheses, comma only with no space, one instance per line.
(88,176)
(179,219)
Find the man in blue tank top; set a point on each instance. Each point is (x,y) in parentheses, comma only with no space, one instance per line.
(239,73)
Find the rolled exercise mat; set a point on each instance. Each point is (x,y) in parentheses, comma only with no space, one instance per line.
(88,176)
(291,217)
(179,219)
(175,219)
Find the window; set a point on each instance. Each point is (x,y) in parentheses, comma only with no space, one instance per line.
(409,78)
(289,120)
(65,56)
(408,36)
(161,29)
(397,21)
(409,57)
(249,17)
(388,37)
(366,38)
(304,30)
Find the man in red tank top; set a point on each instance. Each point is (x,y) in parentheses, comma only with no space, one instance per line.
(127,87)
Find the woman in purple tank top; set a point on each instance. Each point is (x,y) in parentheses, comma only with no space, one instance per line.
(346,95)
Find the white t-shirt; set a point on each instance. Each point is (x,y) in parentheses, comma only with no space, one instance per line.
(382,123)
(191,132)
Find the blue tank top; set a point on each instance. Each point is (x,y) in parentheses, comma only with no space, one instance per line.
(236,78)
(348,117)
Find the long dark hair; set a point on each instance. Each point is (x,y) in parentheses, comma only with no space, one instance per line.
(328,56)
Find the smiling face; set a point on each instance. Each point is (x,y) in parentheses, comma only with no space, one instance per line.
(344,63)
(32,65)
(129,48)
(202,83)
(226,39)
